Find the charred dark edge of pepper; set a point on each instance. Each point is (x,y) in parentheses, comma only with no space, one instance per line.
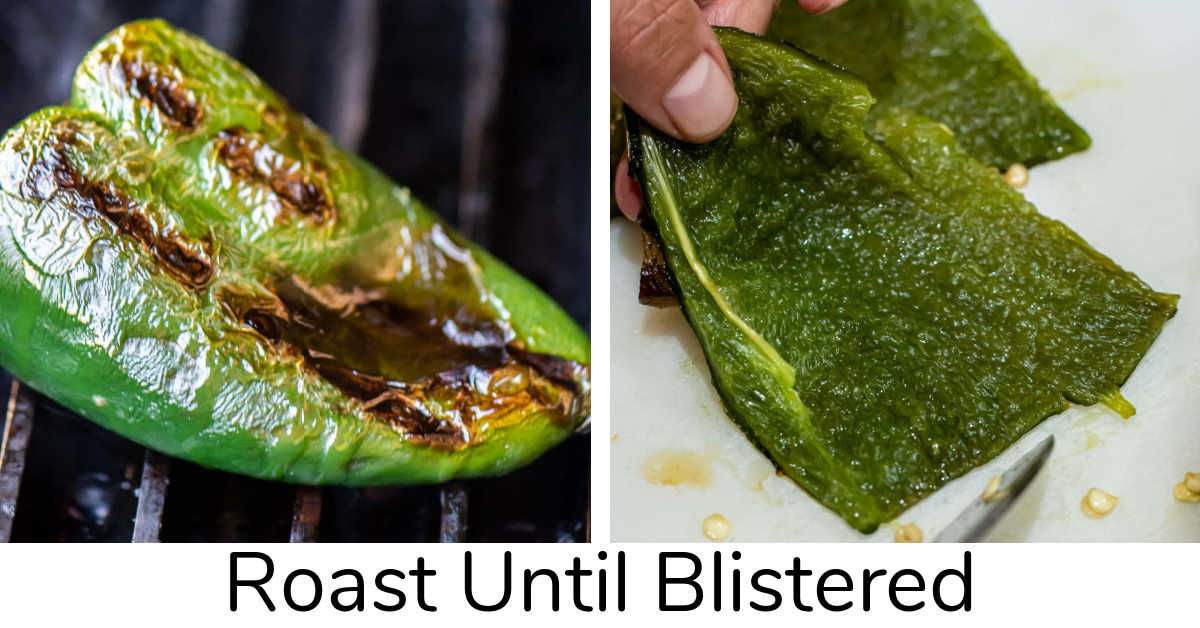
(396,402)
(296,191)
(656,285)
(165,92)
(190,265)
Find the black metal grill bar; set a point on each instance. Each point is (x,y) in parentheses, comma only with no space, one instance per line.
(484,69)
(152,496)
(357,43)
(455,506)
(482,73)
(306,515)
(18,423)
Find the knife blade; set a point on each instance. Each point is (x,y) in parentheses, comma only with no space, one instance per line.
(982,514)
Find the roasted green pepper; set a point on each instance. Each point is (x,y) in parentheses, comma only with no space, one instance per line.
(880,311)
(941,59)
(187,261)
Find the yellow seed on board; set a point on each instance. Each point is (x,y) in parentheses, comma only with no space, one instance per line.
(1184,494)
(993,492)
(1017,175)
(716,527)
(909,533)
(1192,481)
(1096,503)
(1189,489)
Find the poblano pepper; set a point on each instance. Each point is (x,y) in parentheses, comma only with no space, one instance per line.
(187,261)
(941,59)
(880,311)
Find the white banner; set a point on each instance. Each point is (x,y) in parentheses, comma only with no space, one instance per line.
(535,585)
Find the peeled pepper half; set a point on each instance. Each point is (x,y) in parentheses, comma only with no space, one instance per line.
(189,262)
(940,58)
(880,311)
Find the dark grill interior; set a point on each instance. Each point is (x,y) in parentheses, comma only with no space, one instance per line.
(481,107)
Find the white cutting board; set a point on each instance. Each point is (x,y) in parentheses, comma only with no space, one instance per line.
(1127,72)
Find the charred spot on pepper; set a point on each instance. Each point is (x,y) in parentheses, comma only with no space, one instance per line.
(400,404)
(164,90)
(566,373)
(187,261)
(271,115)
(434,382)
(190,262)
(249,158)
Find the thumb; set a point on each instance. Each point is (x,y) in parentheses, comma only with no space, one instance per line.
(820,6)
(667,65)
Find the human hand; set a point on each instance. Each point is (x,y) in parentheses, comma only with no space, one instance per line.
(666,64)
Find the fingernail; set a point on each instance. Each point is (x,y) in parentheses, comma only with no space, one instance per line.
(817,7)
(702,102)
(828,6)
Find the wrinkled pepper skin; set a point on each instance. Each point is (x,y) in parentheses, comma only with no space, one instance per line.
(880,311)
(188,262)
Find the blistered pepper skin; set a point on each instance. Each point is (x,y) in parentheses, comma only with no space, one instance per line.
(190,263)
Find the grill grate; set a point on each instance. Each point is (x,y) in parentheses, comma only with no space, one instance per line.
(306,515)
(486,60)
(155,479)
(152,497)
(152,493)
(18,423)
